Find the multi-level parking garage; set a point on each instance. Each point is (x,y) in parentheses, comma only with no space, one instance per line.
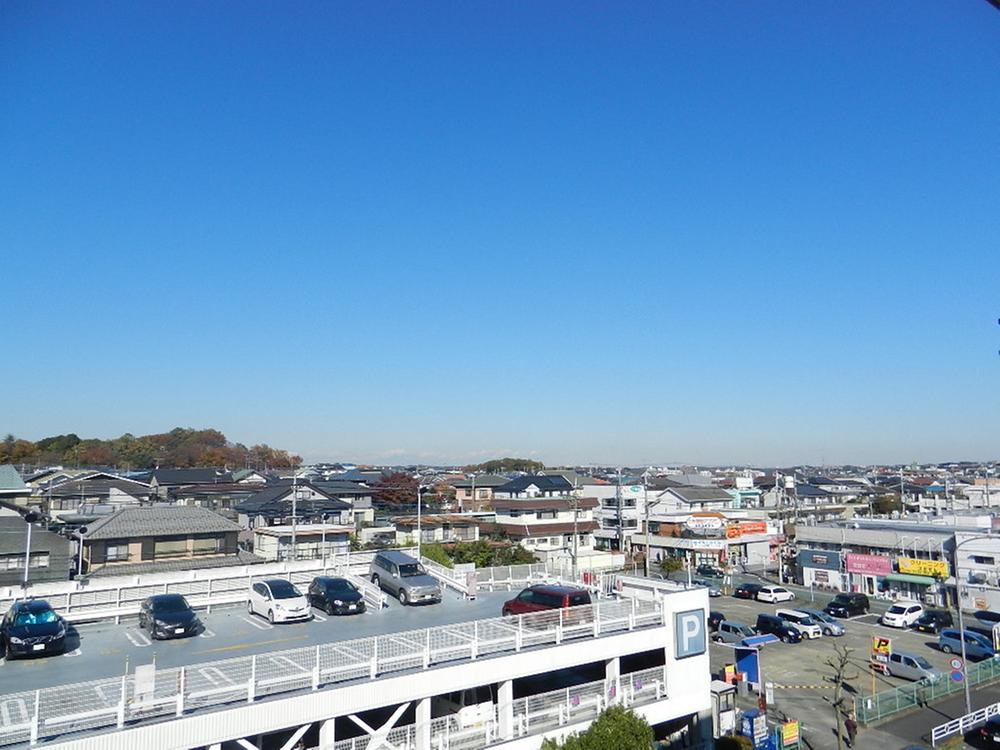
(402,677)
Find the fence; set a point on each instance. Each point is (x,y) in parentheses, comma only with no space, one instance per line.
(964,724)
(532,714)
(880,705)
(117,597)
(454,579)
(151,693)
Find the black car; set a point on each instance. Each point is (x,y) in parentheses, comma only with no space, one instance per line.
(335,596)
(168,616)
(747,590)
(32,627)
(989,733)
(983,622)
(714,618)
(933,621)
(709,570)
(769,624)
(848,605)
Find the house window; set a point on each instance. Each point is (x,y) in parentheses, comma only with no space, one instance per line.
(550,514)
(983,560)
(40,560)
(170,548)
(11,562)
(117,550)
(206,546)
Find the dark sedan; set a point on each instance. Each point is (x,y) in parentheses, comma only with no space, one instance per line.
(747,590)
(714,618)
(32,627)
(933,621)
(168,616)
(336,596)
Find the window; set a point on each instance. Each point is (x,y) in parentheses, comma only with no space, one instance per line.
(545,514)
(117,550)
(211,546)
(11,562)
(40,560)
(983,560)
(170,548)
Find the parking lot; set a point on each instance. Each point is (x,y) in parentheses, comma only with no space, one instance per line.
(101,650)
(800,676)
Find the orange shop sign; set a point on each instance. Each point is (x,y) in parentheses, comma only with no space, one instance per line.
(745,528)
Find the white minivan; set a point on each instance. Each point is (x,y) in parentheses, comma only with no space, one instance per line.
(801,621)
(903,614)
(774,594)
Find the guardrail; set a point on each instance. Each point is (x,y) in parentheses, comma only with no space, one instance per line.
(449,577)
(509,577)
(871,708)
(117,597)
(963,724)
(151,693)
(531,715)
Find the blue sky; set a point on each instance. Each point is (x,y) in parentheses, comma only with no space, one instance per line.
(651,232)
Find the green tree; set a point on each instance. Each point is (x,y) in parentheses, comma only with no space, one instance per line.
(501,465)
(436,553)
(616,727)
(670,565)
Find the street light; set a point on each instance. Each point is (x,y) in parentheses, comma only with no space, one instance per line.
(29,518)
(961,620)
(79,543)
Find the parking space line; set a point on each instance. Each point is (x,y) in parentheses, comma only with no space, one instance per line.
(279,660)
(319,617)
(74,652)
(206,633)
(215,676)
(255,623)
(138,639)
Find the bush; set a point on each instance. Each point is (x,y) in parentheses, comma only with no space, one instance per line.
(616,728)
(734,743)
(436,553)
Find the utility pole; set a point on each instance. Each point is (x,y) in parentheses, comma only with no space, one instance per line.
(576,535)
(295,508)
(618,500)
(645,518)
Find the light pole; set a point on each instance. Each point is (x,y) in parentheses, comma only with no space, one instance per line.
(79,540)
(961,619)
(419,525)
(645,514)
(295,510)
(30,519)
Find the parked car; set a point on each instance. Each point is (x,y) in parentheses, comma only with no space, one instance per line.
(278,601)
(747,590)
(403,576)
(977,645)
(168,616)
(709,570)
(732,632)
(989,732)
(774,594)
(32,627)
(983,622)
(543,596)
(829,625)
(911,667)
(848,605)
(801,621)
(902,614)
(769,624)
(933,621)
(714,618)
(335,596)
(713,590)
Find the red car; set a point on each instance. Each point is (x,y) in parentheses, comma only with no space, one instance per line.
(541,597)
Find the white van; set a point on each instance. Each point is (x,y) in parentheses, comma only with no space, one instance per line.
(801,621)
(473,707)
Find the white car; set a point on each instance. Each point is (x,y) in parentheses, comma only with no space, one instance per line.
(774,594)
(278,601)
(801,621)
(902,614)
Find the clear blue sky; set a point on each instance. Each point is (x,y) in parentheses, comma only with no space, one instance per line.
(643,232)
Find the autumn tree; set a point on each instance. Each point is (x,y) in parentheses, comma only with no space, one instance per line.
(396,489)
(839,663)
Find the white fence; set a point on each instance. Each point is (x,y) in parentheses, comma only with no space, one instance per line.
(533,714)
(120,596)
(449,577)
(963,724)
(152,694)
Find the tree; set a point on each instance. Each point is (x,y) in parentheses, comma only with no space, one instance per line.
(396,489)
(616,727)
(501,465)
(840,663)
(436,553)
(670,564)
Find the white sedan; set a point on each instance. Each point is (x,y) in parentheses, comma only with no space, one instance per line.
(774,594)
(278,601)
(902,614)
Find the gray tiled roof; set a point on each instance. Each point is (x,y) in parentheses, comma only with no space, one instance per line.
(701,494)
(159,520)
(10,479)
(196,563)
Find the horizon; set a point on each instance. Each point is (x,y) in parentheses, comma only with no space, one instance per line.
(739,235)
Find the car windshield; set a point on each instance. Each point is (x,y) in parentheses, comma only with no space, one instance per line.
(922,662)
(340,584)
(842,599)
(170,604)
(412,569)
(284,590)
(807,621)
(822,617)
(895,609)
(40,617)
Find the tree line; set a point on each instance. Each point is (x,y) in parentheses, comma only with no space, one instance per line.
(180,448)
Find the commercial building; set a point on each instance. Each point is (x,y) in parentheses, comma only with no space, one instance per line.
(710,538)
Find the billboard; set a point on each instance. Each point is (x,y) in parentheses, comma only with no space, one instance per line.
(823,559)
(745,528)
(932,568)
(873,565)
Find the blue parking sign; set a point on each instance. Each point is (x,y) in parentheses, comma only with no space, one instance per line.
(689,633)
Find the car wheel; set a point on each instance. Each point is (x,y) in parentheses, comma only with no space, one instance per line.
(270,616)
(402,596)
(375,580)
(946,648)
(785,639)
(828,631)
(250,606)
(329,609)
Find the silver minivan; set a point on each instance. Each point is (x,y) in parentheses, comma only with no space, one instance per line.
(403,576)
(911,667)
(732,632)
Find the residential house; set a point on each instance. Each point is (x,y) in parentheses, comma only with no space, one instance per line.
(50,557)
(533,485)
(556,526)
(97,487)
(149,539)
(691,499)
(475,493)
(249,476)
(303,542)
(276,505)
(437,528)
(220,497)
(161,480)
(13,490)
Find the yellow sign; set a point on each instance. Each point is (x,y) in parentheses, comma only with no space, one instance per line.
(789,732)
(881,646)
(931,568)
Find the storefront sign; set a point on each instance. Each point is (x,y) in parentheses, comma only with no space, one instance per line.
(745,528)
(821,576)
(873,565)
(932,568)
(881,649)
(789,733)
(819,558)
(704,523)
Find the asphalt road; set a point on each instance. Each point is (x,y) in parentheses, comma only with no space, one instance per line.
(101,650)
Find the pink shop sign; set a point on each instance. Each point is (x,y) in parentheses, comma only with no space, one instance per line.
(874,565)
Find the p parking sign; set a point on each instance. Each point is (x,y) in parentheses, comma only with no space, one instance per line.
(689,633)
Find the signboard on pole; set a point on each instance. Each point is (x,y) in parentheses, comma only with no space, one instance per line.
(790,734)
(881,649)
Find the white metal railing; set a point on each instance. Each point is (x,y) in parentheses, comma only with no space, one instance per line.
(449,577)
(108,704)
(120,596)
(963,724)
(532,714)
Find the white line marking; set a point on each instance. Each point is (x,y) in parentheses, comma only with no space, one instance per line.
(138,639)
(319,617)
(279,660)
(74,652)
(256,623)
(206,633)
(215,676)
